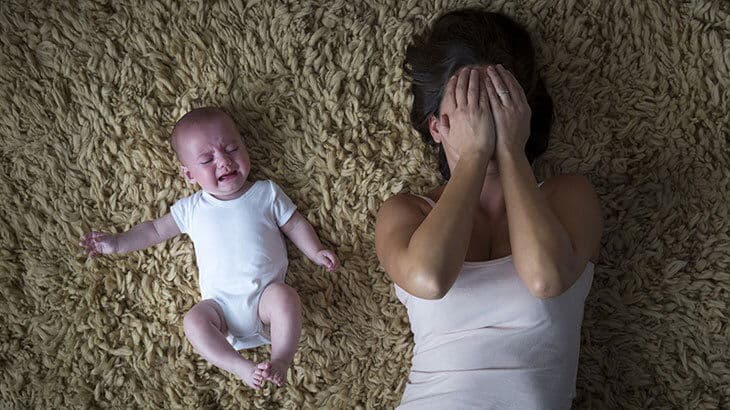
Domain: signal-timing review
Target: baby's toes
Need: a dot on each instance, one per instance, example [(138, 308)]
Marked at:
[(254, 382), (264, 369)]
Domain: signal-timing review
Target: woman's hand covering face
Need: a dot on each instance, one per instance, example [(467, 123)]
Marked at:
[(510, 109), (466, 123)]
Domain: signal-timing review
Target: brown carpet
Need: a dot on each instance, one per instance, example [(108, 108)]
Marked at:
[(89, 92)]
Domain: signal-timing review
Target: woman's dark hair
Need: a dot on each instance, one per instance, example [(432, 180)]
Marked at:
[(474, 37)]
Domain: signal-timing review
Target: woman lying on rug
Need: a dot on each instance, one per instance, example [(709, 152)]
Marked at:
[(236, 226), (492, 267)]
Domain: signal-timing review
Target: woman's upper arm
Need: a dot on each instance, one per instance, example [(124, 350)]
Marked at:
[(398, 218), (576, 205)]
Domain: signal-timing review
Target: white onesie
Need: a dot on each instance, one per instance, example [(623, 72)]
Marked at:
[(240, 251)]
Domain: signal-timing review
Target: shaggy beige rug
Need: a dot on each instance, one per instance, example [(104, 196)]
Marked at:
[(89, 92)]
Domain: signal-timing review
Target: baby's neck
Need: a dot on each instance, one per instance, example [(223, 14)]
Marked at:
[(245, 187)]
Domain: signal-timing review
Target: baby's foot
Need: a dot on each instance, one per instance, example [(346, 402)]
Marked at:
[(252, 376), (274, 371)]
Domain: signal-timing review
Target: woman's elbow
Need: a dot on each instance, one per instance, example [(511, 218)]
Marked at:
[(545, 282), (426, 285), (544, 289)]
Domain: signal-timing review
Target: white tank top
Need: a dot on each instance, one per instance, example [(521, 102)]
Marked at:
[(490, 344)]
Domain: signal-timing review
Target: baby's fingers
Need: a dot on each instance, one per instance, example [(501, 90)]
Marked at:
[(92, 248), (91, 237), (89, 252), (92, 251), (328, 264), (329, 260), (85, 243), (335, 263)]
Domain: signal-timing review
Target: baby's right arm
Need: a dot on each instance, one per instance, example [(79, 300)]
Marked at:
[(141, 236)]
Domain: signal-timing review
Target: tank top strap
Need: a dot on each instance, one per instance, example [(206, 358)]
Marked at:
[(427, 199)]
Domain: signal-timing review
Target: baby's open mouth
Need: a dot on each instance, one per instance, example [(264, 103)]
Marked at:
[(227, 176)]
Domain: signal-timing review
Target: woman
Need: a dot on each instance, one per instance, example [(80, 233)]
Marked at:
[(492, 267)]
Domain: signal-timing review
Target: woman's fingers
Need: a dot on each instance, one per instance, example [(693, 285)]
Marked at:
[(500, 87), (492, 93), (449, 93), (462, 85), (483, 95), (514, 87), (473, 94)]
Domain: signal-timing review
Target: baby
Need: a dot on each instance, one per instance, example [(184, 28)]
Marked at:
[(236, 227)]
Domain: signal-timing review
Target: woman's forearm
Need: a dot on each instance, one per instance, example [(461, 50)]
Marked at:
[(541, 247), (438, 247)]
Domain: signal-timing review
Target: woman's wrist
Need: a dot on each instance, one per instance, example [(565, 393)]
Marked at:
[(510, 151), (478, 154), (511, 160)]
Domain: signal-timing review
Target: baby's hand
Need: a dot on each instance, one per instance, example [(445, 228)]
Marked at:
[(328, 259), (98, 243)]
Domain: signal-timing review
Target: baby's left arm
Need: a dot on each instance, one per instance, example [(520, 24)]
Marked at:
[(299, 231)]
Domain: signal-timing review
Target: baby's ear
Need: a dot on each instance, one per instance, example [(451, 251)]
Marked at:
[(185, 173), (438, 127)]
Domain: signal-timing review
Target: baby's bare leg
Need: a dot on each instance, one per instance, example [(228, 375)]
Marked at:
[(281, 309), (205, 328)]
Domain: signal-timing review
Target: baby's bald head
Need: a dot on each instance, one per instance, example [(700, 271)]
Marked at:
[(193, 119)]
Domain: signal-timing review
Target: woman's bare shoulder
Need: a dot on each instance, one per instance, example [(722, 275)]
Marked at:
[(398, 218), (568, 184), (576, 204), (404, 204)]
